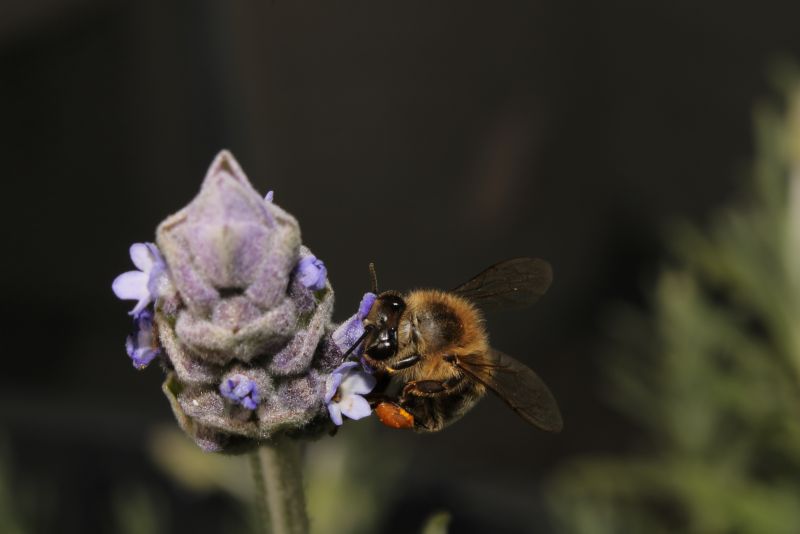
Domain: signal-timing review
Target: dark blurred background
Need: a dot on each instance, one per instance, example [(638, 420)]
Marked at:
[(431, 138)]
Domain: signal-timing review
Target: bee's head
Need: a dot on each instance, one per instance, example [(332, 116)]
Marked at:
[(381, 323)]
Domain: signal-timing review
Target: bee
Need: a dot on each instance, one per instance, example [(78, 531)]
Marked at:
[(430, 350)]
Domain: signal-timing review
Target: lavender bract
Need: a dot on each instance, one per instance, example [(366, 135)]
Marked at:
[(243, 315)]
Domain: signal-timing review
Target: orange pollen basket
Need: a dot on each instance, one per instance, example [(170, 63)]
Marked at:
[(394, 416)]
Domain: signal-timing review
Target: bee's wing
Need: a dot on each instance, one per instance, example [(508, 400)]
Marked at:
[(509, 284), (517, 385)]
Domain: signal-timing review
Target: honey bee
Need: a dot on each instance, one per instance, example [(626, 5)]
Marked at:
[(430, 351)]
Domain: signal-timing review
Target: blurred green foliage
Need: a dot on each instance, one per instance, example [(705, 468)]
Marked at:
[(136, 510), (437, 523), (711, 372), (26, 505), (348, 481), (11, 513)]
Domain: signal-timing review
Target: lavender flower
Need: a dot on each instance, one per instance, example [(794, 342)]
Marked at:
[(366, 305), (241, 390), (142, 345), (352, 329), (312, 273), (142, 285), (343, 392), (241, 320)]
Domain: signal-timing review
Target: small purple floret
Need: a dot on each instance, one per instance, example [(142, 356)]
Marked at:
[(344, 388), (142, 346), (269, 196), (241, 390), (141, 285), (312, 273), (366, 305), (352, 329)]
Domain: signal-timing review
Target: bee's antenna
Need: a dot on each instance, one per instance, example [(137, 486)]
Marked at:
[(374, 278), (367, 330)]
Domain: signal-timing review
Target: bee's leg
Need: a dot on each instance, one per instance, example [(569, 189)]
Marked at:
[(427, 416), (431, 388), (405, 363)]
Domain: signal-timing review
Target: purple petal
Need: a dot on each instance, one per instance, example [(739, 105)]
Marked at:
[(269, 196), (322, 277), (155, 278), (144, 321), (131, 285), (157, 271), (343, 368), (357, 383), (227, 387), (130, 346), (348, 333), (355, 407), (142, 256), (143, 356), (312, 273), (241, 390), (365, 366), (331, 385), (142, 346), (155, 254), (366, 305), (140, 306), (336, 414)]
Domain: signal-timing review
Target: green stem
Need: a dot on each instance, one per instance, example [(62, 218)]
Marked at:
[(280, 499)]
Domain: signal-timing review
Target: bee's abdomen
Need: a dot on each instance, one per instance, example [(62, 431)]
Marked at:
[(431, 414)]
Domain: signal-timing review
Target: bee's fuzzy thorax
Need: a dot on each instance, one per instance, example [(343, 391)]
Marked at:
[(445, 322)]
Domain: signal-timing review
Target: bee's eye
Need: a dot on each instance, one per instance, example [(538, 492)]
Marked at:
[(394, 303), (382, 350), (384, 346)]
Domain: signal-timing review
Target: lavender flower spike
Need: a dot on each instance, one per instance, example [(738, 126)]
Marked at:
[(343, 392), (142, 285), (245, 320)]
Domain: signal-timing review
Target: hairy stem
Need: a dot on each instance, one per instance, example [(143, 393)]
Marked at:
[(277, 468)]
